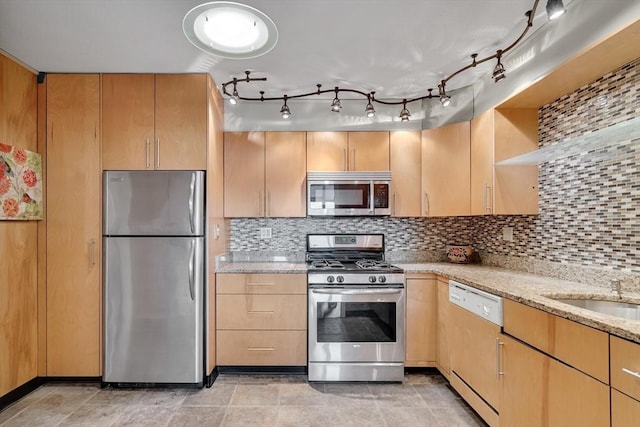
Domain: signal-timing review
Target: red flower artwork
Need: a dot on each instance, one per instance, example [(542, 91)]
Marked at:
[(5, 148), (20, 156), (29, 177), (5, 185), (10, 207)]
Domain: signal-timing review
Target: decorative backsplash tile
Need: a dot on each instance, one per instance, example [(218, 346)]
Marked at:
[(589, 202)]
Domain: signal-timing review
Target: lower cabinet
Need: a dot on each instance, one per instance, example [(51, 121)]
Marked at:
[(261, 319), (625, 382), (421, 321)]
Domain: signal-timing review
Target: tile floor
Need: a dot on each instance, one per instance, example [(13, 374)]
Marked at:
[(248, 400)]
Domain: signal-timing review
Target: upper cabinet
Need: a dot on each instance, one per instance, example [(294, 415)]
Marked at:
[(406, 173), (264, 174), (497, 135), (445, 170), (341, 151), (154, 121)]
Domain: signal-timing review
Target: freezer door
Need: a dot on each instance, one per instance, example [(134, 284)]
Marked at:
[(153, 309), (147, 203)]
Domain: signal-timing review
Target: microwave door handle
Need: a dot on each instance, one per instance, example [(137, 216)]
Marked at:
[(372, 205)]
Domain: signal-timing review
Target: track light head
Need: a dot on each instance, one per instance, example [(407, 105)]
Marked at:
[(555, 9), (498, 72), (233, 100), (335, 104), (404, 114), (445, 99), (369, 110), (286, 113)]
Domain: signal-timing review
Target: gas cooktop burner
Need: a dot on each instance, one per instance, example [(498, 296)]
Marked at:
[(325, 264), (368, 264)]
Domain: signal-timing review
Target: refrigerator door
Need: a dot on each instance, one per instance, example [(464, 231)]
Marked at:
[(145, 203), (153, 309)]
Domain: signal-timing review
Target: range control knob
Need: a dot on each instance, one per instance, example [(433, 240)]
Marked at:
[(340, 279), (372, 279), (329, 279), (382, 279)]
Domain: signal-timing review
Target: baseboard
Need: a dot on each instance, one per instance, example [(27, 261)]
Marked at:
[(21, 391), (209, 379), (264, 370)]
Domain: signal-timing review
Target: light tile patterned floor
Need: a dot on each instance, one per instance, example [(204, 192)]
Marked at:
[(248, 400)]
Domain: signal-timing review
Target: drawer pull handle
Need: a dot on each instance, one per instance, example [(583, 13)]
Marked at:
[(633, 374), (260, 349), (260, 284), (260, 312)]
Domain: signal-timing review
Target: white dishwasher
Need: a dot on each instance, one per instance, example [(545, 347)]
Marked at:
[(476, 321)]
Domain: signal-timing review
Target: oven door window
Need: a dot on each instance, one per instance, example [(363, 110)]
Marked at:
[(356, 322), (340, 196)]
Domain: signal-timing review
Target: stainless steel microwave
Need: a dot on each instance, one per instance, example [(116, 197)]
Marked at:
[(348, 193)]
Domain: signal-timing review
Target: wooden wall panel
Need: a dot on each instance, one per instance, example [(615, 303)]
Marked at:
[(18, 239)]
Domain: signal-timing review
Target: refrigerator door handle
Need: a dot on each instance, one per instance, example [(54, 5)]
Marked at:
[(192, 261), (192, 194)]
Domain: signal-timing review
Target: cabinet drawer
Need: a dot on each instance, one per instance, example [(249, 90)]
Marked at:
[(261, 311), (578, 345), (261, 348), (625, 411), (240, 283), (625, 355)]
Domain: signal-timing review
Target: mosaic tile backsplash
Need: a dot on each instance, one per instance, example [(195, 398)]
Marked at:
[(589, 202)]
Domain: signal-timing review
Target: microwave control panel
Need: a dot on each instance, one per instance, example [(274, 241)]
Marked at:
[(380, 196)]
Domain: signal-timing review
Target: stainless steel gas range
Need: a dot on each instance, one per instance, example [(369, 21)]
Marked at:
[(356, 309)]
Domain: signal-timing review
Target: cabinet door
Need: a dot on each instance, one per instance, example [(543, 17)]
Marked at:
[(421, 322), (442, 326), (128, 102), (181, 121), (286, 172), (369, 151), (244, 174), (625, 366), (73, 225), (522, 384), (327, 151), (516, 187), (576, 399), (406, 173), (482, 164), (446, 170), (625, 411)]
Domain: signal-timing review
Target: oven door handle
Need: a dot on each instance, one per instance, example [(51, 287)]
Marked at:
[(358, 292)]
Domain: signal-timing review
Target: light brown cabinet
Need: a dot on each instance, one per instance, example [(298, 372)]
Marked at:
[(446, 170), (154, 121), (264, 174), (406, 172), (261, 320), (625, 382), (420, 321), (442, 326), (341, 151), (498, 135), (558, 375), (73, 225)]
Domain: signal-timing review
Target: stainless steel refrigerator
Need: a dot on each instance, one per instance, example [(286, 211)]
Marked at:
[(154, 247)]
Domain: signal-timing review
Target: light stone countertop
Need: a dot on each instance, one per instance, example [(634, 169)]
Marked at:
[(530, 289)]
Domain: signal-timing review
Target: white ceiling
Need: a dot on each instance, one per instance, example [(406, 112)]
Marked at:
[(398, 48)]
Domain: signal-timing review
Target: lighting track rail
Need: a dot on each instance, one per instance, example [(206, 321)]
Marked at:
[(498, 74)]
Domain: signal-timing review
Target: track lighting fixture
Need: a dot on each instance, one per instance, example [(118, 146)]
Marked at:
[(498, 71), (404, 114), (368, 110), (445, 99), (335, 104), (286, 113), (554, 9)]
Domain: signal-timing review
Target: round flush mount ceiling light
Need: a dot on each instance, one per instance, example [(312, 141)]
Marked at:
[(230, 30)]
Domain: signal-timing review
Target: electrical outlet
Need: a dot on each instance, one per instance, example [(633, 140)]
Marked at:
[(265, 233), (507, 234)]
